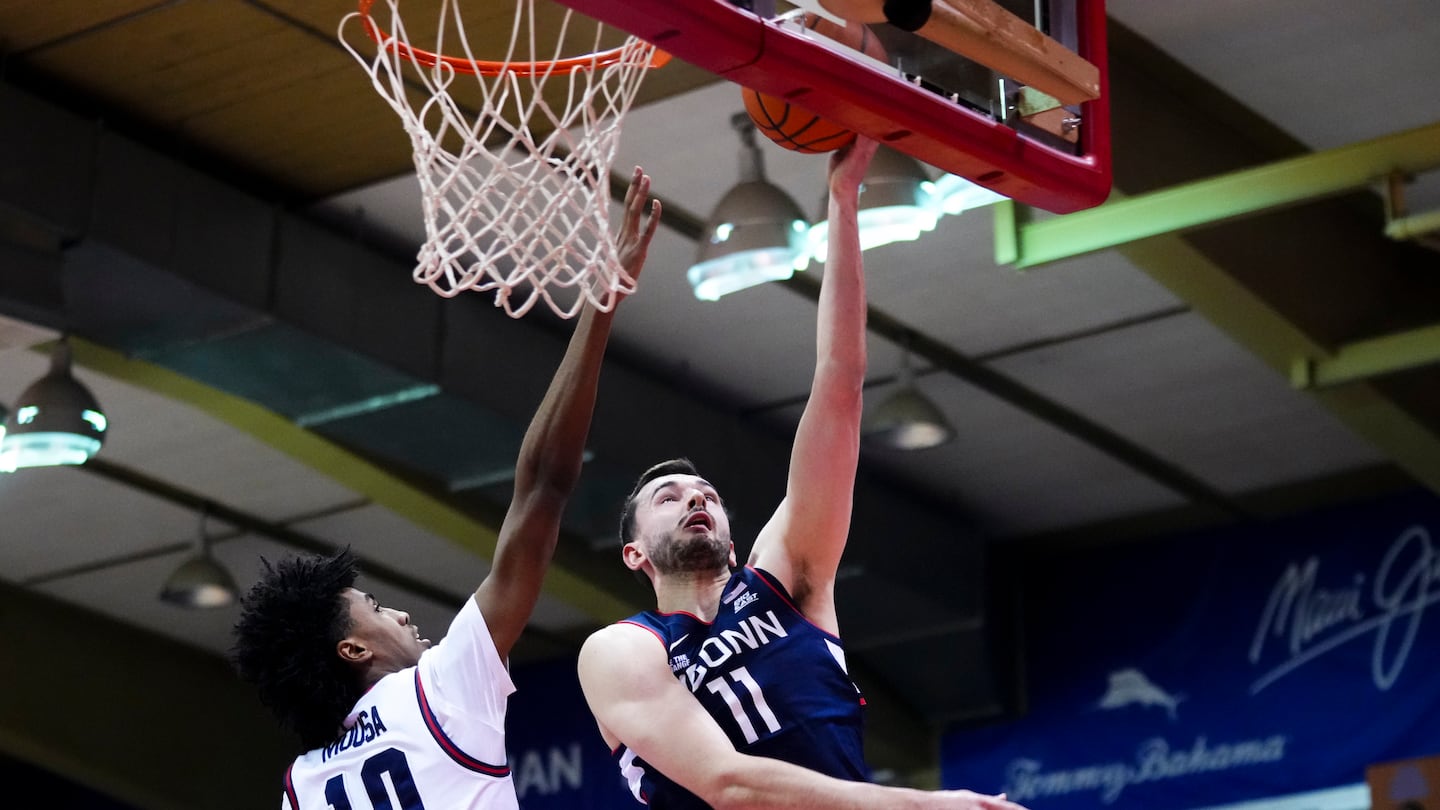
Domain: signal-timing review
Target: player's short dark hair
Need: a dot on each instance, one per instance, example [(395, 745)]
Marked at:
[(290, 622), (675, 466)]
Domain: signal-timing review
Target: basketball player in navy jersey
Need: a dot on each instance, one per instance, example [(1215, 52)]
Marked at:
[(734, 691), (379, 708)]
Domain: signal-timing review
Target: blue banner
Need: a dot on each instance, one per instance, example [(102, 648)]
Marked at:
[(557, 757), (1223, 666)]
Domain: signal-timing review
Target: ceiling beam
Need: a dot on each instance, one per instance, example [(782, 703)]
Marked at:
[(1290, 284), (342, 466), (1216, 199), (1369, 358), (1410, 441)]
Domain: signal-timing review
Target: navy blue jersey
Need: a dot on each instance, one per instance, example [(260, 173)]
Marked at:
[(775, 683)]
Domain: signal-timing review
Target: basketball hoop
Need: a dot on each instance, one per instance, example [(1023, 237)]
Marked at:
[(515, 192)]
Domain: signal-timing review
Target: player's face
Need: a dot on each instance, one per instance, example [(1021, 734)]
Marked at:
[(394, 643), (682, 525)]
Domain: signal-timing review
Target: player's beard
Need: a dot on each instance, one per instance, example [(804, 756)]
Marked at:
[(690, 552)]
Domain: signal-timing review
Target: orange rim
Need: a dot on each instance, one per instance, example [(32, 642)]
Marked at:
[(482, 67)]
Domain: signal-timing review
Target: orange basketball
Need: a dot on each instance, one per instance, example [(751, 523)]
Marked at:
[(795, 127)]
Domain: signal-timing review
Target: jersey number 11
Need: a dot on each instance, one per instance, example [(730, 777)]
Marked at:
[(741, 676)]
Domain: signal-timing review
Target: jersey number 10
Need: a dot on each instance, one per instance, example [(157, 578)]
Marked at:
[(389, 762)]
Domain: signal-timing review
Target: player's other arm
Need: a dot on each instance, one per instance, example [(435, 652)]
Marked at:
[(552, 452), (803, 542), (638, 702)]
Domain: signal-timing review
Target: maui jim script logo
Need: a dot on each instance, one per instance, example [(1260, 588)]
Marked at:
[(1310, 621)]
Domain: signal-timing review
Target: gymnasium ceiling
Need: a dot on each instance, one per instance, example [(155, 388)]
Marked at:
[(208, 195)]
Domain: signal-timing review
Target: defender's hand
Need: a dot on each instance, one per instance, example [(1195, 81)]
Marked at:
[(638, 227)]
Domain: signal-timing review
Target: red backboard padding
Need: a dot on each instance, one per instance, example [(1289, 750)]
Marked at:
[(738, 45)]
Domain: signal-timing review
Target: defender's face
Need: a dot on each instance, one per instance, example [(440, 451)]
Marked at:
[(394, 643), (681, 525)]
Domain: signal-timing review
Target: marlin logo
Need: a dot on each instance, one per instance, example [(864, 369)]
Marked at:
[(739, 588), (1130, 687)]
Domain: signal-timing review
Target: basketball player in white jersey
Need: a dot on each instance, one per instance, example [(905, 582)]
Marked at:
[(390, 720), (773, 722)]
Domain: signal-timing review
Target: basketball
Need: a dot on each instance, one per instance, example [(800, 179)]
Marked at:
[(795, 127)]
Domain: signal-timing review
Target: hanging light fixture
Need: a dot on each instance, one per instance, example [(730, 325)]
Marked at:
[(958, 195), (200, 582), (907, 420), (898, 202), (55, 421), (756, 233)]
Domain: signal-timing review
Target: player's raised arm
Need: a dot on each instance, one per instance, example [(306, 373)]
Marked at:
[(803, 542), (640, 704), (552, 451)]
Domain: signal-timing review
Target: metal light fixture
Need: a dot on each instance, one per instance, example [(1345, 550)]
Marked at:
[(55, 421), (756, 233), (200, 582), (907, 420), (898, 202)]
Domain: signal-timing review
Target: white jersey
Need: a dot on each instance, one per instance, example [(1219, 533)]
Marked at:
[(431, 736)]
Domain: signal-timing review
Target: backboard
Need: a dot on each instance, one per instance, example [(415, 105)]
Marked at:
[(953, 114)]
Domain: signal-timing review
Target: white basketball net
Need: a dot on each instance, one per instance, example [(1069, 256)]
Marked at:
[(527, 216)]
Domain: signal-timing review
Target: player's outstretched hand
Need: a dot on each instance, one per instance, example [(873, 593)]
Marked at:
[(848, 164), (638, 227)]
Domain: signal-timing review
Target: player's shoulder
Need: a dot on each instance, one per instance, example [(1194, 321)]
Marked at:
[(619, 647), (625, 632)]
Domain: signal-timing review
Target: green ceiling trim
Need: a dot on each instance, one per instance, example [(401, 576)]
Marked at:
[(1007, 232), (1413, 226), (1369, 358), (1268, 334), (345, 468), (1409, 442), (1215, 199), (1222, 300)]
